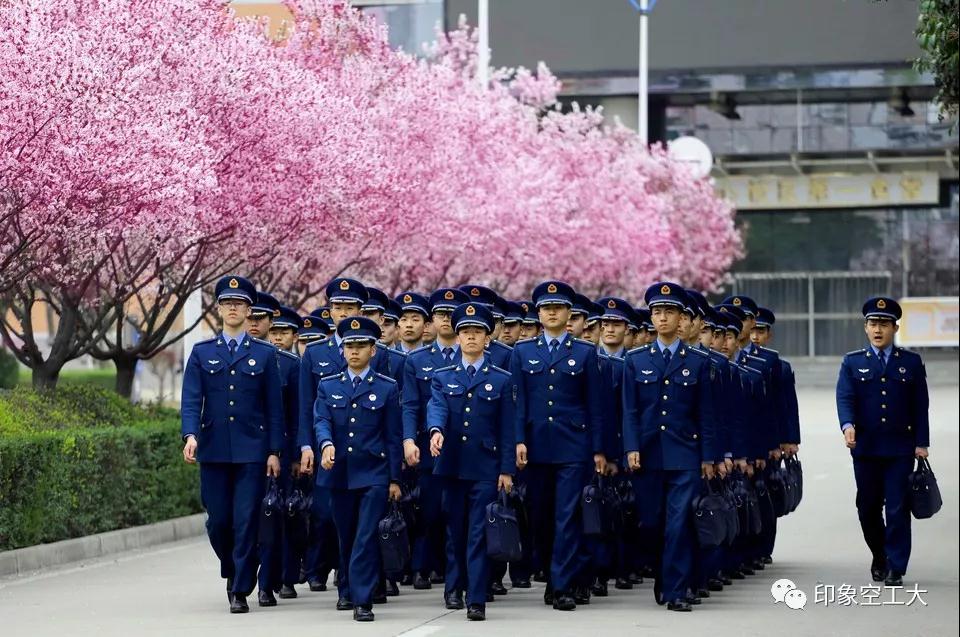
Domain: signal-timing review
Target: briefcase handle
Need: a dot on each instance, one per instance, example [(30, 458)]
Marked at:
[(923, 466)]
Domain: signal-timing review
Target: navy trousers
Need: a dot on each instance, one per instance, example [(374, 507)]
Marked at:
[(427, 553), (280, 559), (322, 554), (554, 495), (231, 495), (882, 488), (356, 513), (465, 508), (664, 500)]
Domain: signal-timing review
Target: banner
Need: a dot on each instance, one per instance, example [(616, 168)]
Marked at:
[(929, 321)]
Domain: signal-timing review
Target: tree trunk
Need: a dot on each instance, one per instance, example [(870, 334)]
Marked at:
[(45, 377), (126, 368)]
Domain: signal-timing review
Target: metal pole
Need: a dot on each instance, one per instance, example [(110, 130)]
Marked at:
[(642, 74), (811, 323), (905, 281), (799, 121), (483, 47)]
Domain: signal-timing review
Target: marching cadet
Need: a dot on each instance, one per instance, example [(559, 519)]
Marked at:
[(414, 315), (284, 331), (761, 336), (323, 313), (578, 315), (262, 313), (427, 559), (357, 425), (232, 424), (613, 326), (429, 333), (882, 404), (470, 419), (311, 330), (530, 326), (498, 352), (512, 316), (279, 562), (669, 437), (559, 438), (389, 361), (391, 321), (591, 326)]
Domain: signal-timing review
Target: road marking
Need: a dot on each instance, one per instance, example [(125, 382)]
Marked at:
[(420, 631)]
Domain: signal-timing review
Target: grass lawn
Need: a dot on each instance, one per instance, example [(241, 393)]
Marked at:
[(104, 378)]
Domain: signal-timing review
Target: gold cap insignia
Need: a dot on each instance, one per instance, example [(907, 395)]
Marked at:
[(355, 324), (724, 310), (551, 289), (471, 310), (448, 295), (234, 284), (307, 323), (881, 304), (665, 289), (344, 285), (737, 301), (612, 304), (325, 314), (525, 307), (407, 298), (474, 292), (276, 313)]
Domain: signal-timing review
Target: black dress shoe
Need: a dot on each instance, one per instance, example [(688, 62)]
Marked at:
[(344, 604), (692, 600), (288, 592), (564, 601), (230, 589), (476, 613), (726, 581), (540, 576), (647, 571), (406, 580), (878, 574), (680, 605), (737, 574), (239, 604), (421, 583), (600, 589), (436, 578), (767, 559), (490, 597), (635, 578), (714, 584), (379, 598), (362, 614), (703, 593), (746, 570), (317, 585), (758, 564), (893, 579), (391, 589), (302, 579), (521, 583), (497, 588), (266, 598), (623, 584), (581, 595), (548, 596), (453, 601)]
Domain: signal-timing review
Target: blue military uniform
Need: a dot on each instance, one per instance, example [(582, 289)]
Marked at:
[(560, 421), (668, 419), (883, 395), (231, 403), (419, 368), (498, 352), (359, 415), (472, 406)]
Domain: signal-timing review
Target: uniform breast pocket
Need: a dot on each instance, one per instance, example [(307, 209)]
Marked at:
[(646, 378), (572, 367), (532, 366), (863, 375), (374, 401), (488, 395), (337, 401), (251, 370), (685, 378)]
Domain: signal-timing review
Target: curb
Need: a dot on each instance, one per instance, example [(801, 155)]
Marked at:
[(35, 558)]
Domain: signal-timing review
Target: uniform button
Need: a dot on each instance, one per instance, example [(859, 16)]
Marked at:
[(883, 420), (549, 403), (665, 397), (883, 392), (231, 403), (464, 438), (694, 436), (231, 387), (354, 405), (663, 427), (211, 371), (231, 418), (550, 418), (352, 419), (550, 387), (469, 395), (350, 449), (663, 413), (233, 372), (909, 427), (883, 406), (467, 409), (553, 371), (883, 380), (466, 424), (666, 382), (383, 455), (350, 434)]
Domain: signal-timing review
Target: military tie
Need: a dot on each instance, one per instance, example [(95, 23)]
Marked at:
[(883, 361), (232, 346), (447, 354), (554, 344), (471, 370), (356, 381), (666, 355)]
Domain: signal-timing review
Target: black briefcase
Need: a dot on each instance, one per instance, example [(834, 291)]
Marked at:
[(591, 507), (502, 531), (777, 488), (795, 471), (710, 516), (731, 511), (296, 516), (394, 542), (271, 514), (925, 499)]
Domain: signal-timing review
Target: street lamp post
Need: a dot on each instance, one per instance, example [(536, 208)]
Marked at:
[(643, 7), (483, 52)]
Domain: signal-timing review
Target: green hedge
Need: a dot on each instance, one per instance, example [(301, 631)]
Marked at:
[(83, 461), (104, 377)]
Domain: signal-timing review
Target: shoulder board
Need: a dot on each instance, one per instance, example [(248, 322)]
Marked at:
[(698, 351), (330, 376), (396, 352), (288, 354), (382, 377), (767, 349), (584, 341), (314, 343), (499, 369), (260, 341), (422, 348), (856, 351), (500, 345), (446, 368), (527, 340), (752, 370), (637, 350), (212, 339), (755, 358)]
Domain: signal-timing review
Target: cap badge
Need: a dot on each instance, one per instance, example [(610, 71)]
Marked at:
[(525, 307), (276, 313), (470, 310), (344, 285), (448, 295), (474, 292), (325, 314), (407, 298), (611, 304), (665, 289), (552, 288), (355, 324), (307, 323), (881, 304), (737, 301), (234, 284)]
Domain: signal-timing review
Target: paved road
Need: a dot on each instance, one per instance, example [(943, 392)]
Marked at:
[(175, 590)]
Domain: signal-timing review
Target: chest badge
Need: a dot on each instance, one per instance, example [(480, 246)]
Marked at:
[(685, 372), (863, 371), (452, 386), (426, 369), (488, 387), (251, 362), (322, 363), (903, 370), (571, 362), (646, 372), (532, 362), (336, 396), (212, 362), (372, 397)]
